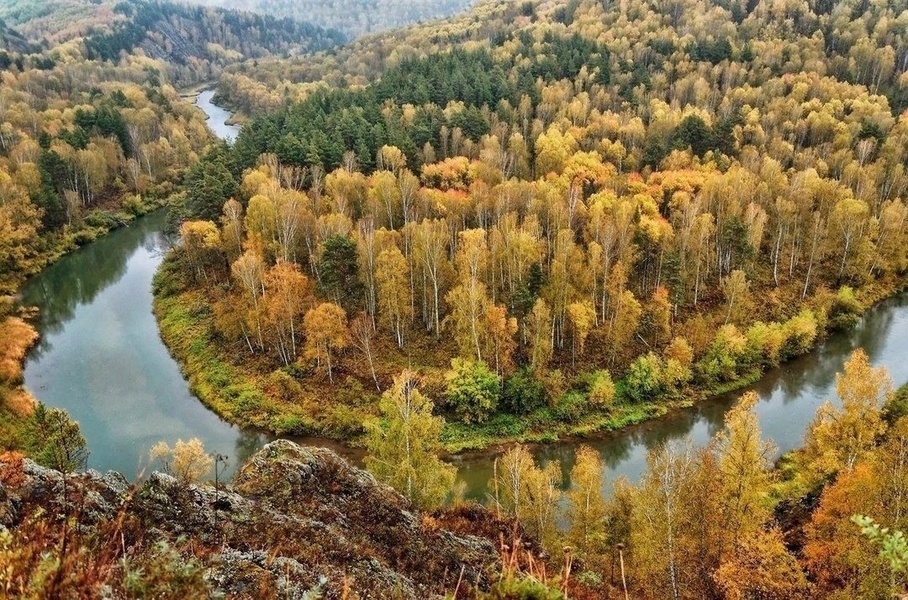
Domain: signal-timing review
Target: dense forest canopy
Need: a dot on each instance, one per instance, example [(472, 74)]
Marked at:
[(532, 219), (195, 41), (354, 18), (93, 120), (662, 196)]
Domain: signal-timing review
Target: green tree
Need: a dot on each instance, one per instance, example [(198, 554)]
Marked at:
[(643, 380), (339, 272), (522, 392), (893, 544), (209, 184), (403, 445), (58, 442), (472, 389), (602, 389)]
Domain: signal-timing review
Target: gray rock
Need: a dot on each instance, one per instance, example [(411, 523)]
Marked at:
[(296, 522)]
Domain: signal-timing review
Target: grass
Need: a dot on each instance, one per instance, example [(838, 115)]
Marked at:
[(240, 393), (542, 426), (16, 404)]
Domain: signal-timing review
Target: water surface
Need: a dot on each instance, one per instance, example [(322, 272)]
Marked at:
[(100, 356), (789, 397), (217, 117)]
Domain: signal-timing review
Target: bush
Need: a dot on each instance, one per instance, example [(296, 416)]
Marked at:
[(101, 218), (570, 407), (602, 389), (722, 358), (896, 406), (643, 380), (555, 384), (845, 311), (133, 205), (522, 393), (472, 390), (765, 342), (801, 331), (283, 386)]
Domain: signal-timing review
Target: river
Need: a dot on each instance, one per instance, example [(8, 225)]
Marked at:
[(217, 117), (100, 357)]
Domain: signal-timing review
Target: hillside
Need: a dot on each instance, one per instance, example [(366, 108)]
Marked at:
[(354, 18), (13, 41), (531, 220), (203, 39), (599, 212)]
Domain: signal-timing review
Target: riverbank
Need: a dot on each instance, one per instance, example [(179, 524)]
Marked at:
[(243, 390), (16, 404), (18, 334), (95, 224)]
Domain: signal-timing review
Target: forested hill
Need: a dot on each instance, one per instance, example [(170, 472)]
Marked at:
[(656, 52), (354, 18), (13, 41), (201, 38), (179, 33)]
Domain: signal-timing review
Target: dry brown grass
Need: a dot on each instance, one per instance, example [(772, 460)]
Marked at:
[(16, 337), (20, 402)]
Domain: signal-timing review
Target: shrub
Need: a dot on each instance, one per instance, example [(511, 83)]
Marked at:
[(801, 331), (472, 390), (283, 386), (133, 205), (570, 407), (845, 311), (765, 342), (896, 406), (555, 384), (722, 358), (101, 218), (522, 392), (602, 389), (643, 380)]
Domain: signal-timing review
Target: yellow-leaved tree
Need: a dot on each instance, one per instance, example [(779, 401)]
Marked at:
[(403, 445)]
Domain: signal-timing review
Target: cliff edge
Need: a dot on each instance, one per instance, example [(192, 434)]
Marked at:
[(296, 522)]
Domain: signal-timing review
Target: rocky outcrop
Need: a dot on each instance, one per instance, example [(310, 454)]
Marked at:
[(294, 520)]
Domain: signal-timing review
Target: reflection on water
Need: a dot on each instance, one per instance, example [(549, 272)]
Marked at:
[(101, 359), (789, 398), (64, 286)]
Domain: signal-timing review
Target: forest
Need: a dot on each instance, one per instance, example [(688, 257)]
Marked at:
[(542, 219), (191, 43), (531, 220), (559, 239), (354, 19)]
